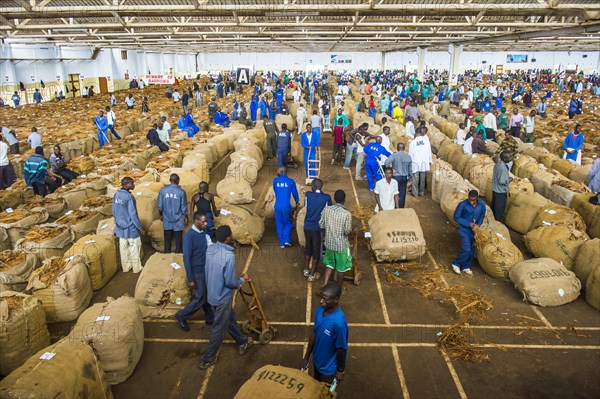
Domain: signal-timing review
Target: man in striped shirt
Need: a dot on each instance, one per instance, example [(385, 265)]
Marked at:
[(35, 171), (336, 220)]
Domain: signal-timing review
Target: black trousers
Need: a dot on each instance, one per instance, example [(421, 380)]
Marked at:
[(14, 148), (402, 182), (40, 189), (67, 174), (498, 205), (515, 131), (169, 234)]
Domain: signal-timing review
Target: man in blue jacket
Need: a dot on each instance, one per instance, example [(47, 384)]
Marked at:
[(372, 152), (469, 215), (172, 206), (314, 201), (195, 245), (127, 226), (279, 94), (284, 189), (284, 145), (102, 125), (35, 172), (221, 282)]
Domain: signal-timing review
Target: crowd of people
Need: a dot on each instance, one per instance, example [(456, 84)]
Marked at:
[(391, 173)]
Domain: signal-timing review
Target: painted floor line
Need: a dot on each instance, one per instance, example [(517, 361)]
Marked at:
[(461, 390), (388, 344), (403, 325), (400, 372)]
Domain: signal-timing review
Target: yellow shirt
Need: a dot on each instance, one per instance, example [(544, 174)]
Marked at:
[(399, 114)]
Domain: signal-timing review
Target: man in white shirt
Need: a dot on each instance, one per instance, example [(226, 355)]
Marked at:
[(420, 153), (111, 119), (385, 143), (129, 101), (489, 122), (84, 92), (296, 95), (11, 139), (166, 125), (176, 96), (386, 191), (468, 146), (460, 135), (141, 84), (315, 120), (410, 127), (163, 134), (300, 115), (464, 105), (34, 139), (7, 173)]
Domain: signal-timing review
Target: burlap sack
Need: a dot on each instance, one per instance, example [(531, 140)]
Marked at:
[(280, 119), (162, 288), (563, 166), (548, 159), (15, 269), (81, 222), (37, 241), (592, 288), (72, 372), (234, 191), (269, 201), (5, 244), (209, 152), (588, 257), (558, 215), (147, 205), (221, 144), (101, 205), (250, 151), (525, 166), (479, 171), (536, 152), (246, 140), (188, 181), (450, 200), (441, 171), (247, 227), (523, 210), (63, 287), (558, 194), (106, 227), (396, 235), (246, 170), (196, 164), (462, 164), (116, 332), (448, 152), (17, 222), (560, 243), (541, 181), (300, 226), (23, 329), (99, 254), (56, 207), (282, 383), (589, 212), (545, 282), (580, 173), (259, 132), (495, 252)]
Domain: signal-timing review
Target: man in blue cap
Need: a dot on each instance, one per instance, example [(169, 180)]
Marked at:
[(284, 189)]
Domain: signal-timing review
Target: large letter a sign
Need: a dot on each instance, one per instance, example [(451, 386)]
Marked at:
[(243, 76)]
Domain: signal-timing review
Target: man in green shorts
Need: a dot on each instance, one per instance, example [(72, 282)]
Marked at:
[(336, 220)]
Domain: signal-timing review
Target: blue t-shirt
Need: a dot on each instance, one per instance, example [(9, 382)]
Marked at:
[(331, 334), (315, 203)]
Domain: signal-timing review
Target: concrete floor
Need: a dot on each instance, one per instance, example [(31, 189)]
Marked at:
[(393, 329)]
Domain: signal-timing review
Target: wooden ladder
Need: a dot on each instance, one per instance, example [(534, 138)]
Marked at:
[(314, 167)]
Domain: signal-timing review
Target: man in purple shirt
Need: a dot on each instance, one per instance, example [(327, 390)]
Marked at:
[(515, 123)]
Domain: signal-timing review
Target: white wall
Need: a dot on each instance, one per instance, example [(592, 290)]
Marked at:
[(19, 62)]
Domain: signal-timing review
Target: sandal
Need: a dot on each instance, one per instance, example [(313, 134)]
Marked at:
[(314, 277), (306, 273)]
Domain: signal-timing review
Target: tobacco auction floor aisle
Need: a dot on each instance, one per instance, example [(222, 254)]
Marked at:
[(531, 351)]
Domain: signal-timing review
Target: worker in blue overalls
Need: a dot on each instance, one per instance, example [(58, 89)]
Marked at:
[(310, 141), (172, 206), (469, 215), (284, 187), (372, 152)]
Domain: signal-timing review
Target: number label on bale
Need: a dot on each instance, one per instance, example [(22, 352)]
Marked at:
[(289, 383)]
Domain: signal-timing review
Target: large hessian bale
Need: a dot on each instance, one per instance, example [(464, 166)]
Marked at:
[(560, 243)]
